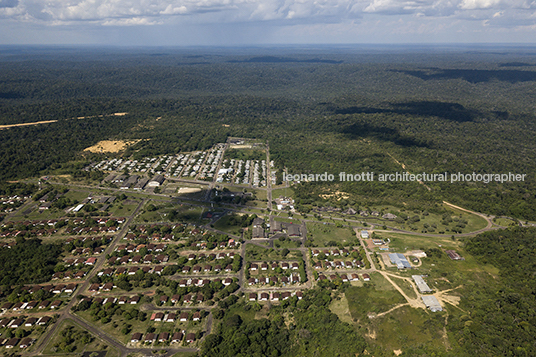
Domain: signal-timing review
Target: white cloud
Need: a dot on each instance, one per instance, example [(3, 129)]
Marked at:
[(492, 13), (478, 4)]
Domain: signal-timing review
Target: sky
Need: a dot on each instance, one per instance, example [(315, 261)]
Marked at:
[(264, 22)]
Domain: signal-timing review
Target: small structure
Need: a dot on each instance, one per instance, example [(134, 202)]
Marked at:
[(453, 255), (364, 234), (432, 303)]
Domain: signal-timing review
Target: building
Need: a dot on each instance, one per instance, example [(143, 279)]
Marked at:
[(421, 284), (364, 234), (293, 231), (156, 181), (432, 303), (399, 260), (453, 255), (258, 233)]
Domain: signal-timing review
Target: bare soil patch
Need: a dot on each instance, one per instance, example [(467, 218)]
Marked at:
[(112, 146)]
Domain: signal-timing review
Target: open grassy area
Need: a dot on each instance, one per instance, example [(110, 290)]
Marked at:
[(401, 242), (254, 252), (223, 224), (339, 306), (82, 341), (285, 192), (407, 327), (324, 233), (375, 297), (505, 222)]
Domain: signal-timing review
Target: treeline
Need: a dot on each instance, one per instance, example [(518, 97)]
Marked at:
[(501, 318)]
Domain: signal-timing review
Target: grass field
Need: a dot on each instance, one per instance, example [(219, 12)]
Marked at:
[(505, 222), (254, 252), (324, 233), (376, 297), (285, 192), (78, 346)]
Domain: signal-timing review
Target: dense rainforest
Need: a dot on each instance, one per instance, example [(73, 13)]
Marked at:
[(340, 110)]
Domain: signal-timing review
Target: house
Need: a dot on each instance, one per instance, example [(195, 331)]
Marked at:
[(275, 296), (183, 316), (91, 261), (187, 298), (164, 336), (44, 320), (285, 295), (26, 342), (177, 337), (134, 300), (122, 300), (108, 287), (196, 316), (163, 299), (171, 317), (366, 277), (12, 342), (136, 337), (55, 304), (227, 281), (150, 338), (365, 234), (159, 316), (254, 267), (31, 305), (264, 297), (190, 337), (16, 323), (252, 296), (30, 322), (299, 294)]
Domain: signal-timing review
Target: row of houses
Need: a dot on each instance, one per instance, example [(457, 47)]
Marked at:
[(14, 342), (275, 296), (132, 248), (207, 268), (176, 316), (293, 279), (274, 265), (349, 264), (211, 256), (183, 283), (332, 252), (19, 306), (158, 269), (55, 289), (138, 259), (344, 277), (22, 322), (150, 338)]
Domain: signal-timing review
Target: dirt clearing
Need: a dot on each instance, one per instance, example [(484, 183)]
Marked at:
[(112, 146)]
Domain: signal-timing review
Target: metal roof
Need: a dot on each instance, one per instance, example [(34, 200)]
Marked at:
[(399, 260), (432, 303)]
